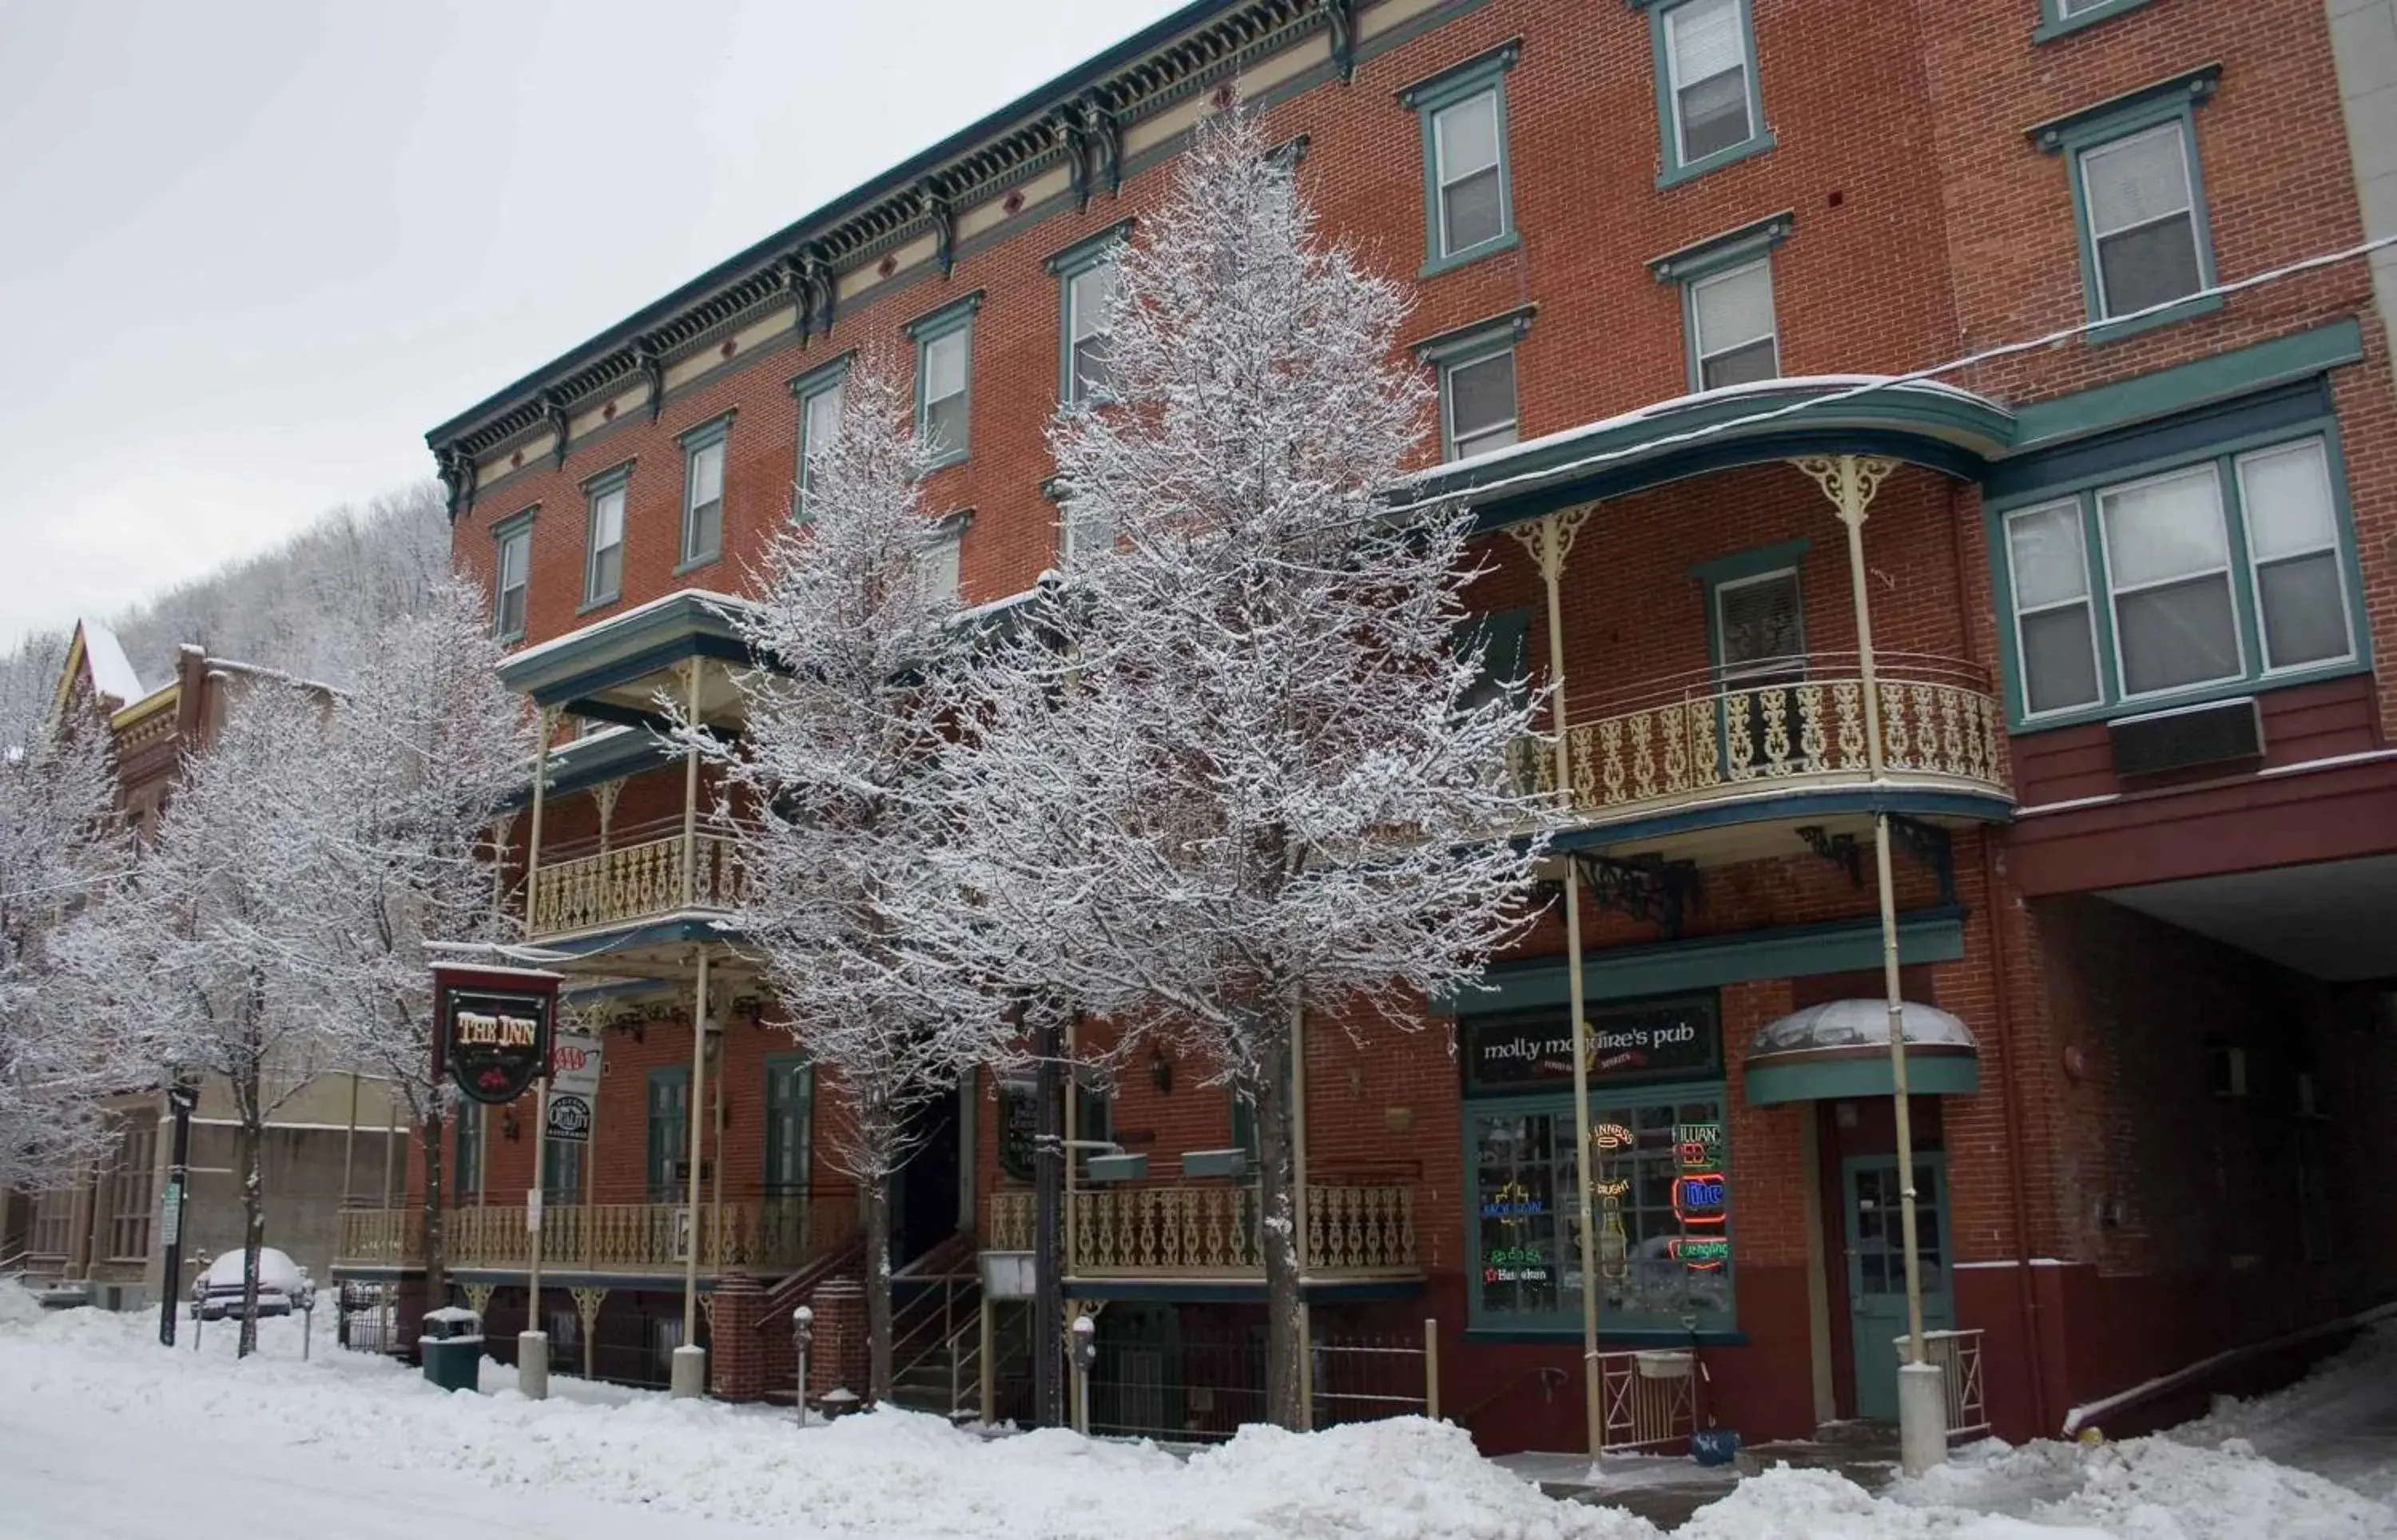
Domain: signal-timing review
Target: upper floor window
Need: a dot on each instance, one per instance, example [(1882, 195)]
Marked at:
[(603, 564), (1468, 204), (702, 493), (1476, 403), (2057, 18), (820, 392), (2227, 572), (511, 576), (2139, 202), (936, 564), (1089, 302), (1733, 336), (1707, 98), (943, 361)]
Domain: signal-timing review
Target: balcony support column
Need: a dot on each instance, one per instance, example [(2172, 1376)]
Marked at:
[(545, 726), (1849, 482), (690, 826), (1550, 541), (690, 1381)]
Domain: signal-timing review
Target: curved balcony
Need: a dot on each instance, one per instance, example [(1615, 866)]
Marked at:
[(1182, 1230), (1697, 739), (631, 883)]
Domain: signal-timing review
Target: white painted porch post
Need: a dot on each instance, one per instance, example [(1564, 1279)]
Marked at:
[(546, 723), (1849, 482), (1549, 542)]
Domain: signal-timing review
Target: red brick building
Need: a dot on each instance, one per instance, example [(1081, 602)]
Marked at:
[(2128, 529)]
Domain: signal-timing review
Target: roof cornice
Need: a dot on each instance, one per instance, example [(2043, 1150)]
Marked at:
[(1077, 118)]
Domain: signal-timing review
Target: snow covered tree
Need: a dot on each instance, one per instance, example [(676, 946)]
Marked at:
[(201, 958), (420, 755), (828, 791), (1257, 776), (58, 847)]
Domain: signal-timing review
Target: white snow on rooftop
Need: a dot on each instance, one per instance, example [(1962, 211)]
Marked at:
[(112, 672)]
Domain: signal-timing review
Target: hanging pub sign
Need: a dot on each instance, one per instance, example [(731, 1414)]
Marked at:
[(1656, 1039), (492, 1028)]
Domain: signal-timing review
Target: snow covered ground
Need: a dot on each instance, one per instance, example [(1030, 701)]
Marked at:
[(105, 1436)]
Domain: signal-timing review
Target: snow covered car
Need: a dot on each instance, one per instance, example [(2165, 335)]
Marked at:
[(283, 1287)]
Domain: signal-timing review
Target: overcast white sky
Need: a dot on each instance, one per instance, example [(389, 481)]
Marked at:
[(254, 248)]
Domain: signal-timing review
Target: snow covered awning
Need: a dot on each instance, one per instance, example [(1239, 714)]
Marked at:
[(1840, 1049)]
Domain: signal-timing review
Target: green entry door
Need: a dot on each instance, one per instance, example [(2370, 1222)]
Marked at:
[(1877, 1269)]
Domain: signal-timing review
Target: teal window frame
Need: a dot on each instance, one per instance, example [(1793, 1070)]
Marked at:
[(1669, 123), (618, 482), (788, 1096), (1428, 99), (1565, 1321), (951, 319), (659, 1159), (1095, 251), (2054, 23), (1746, 566), (513, 530), (1468, 345), (561, 1171), (1712, 258), (714, 434), (2254, 675), (805, 389), (2076, 134)]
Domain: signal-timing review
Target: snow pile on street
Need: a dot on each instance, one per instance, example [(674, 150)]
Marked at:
[(887, 1473), (349, 1423)]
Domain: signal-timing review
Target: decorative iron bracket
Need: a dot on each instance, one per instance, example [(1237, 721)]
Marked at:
[(1929, 844), (1840, 850), (1643, 887)]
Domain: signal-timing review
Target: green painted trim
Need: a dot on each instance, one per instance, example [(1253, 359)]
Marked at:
[(1428, 98), (1090, 250), (1479, 1320), (2072, 136), (1679, 967), (2083, 492), (651, 1151), (801, 1070), (716, 433), (1729, 250), (2166, 391), (713, 430), (617, 481), (2053, 24), (1749, 563), (805, 388), (2117, 116), (503, 531), (1760, 138), (560, 669), (1949, 430), (1461, 357), (949, 320), (1068, 265), (1485, 336), (1605, 1338), (614, 476), (1940, 1075)]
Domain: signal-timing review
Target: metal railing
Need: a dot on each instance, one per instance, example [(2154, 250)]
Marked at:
[(763, 1234), (1192, 1230), (634, 882), (1958, 1354), (1649, 1399), (936, 1343), (1701, 737)]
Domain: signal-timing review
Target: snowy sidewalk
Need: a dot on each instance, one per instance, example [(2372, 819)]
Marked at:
[(104, 1434)]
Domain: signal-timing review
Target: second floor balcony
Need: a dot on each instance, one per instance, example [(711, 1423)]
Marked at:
[(575, 891), (1189, 1230), (1717, 738)]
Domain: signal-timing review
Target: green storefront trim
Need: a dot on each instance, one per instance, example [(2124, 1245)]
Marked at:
[(1949, 1074), (1783, 951)]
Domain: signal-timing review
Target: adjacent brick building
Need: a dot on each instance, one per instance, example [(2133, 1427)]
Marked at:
[(2128, 528)]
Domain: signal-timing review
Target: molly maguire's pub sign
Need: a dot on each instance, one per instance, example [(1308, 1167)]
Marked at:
[(1679, 1039), (495, 1032)]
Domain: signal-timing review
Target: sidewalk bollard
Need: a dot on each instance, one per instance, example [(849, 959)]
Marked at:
[(1086, 1353), (803, 1326)]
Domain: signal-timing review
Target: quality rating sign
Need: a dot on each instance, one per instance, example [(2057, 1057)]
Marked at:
[(573, 1088)]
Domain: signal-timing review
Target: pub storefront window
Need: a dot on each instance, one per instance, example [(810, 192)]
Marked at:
[(1657, 1135)]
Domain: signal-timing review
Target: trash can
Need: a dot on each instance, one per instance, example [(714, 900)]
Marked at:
[(452, 1349)]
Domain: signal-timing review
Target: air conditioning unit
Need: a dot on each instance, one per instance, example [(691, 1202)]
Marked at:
[(2220, 732)]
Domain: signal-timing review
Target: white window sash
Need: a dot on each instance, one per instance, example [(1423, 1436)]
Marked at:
[(1771, 333), (2188, 209), (1675, 83), (2256, 565), (2086, 599), (1446, 181), (1459, 438), (1731, 674), (2116, 592)]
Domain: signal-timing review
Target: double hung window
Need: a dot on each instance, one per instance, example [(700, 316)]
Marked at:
[(511, 577), (603, 566), (1733, 336), (702, 495), (1476, 399), (1708, 105)]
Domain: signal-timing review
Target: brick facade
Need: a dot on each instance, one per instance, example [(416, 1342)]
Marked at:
[(2093, 1183)]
